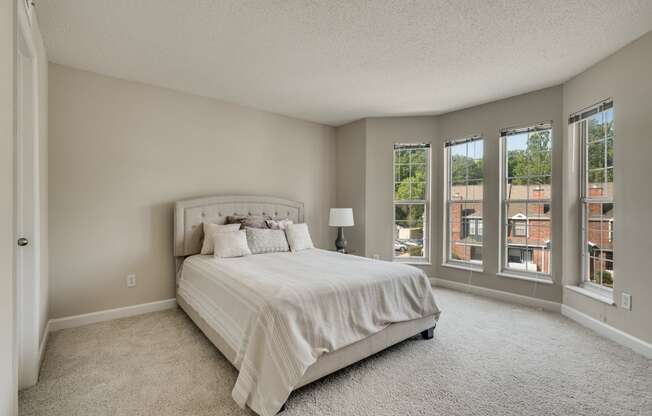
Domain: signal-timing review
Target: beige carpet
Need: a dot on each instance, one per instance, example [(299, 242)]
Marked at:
[(487, 358)]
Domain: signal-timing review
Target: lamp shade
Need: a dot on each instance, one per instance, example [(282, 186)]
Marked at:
[(341, 217)]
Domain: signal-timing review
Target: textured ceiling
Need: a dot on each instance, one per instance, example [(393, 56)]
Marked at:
[(334, 61)]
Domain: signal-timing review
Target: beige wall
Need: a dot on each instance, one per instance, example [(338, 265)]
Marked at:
[(487, 120), (350, 187), (625, 77), (121, 153)]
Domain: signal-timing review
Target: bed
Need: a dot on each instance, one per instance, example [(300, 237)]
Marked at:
[(287, 319)]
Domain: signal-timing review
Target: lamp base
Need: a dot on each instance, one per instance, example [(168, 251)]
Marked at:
[(340, 242)]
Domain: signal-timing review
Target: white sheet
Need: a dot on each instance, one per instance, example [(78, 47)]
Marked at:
[(281, 311)]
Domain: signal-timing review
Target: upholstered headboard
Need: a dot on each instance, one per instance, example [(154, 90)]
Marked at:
[(190, 214)]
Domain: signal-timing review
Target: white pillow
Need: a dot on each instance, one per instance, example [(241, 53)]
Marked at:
[(261, 240), (210, 229), (299, 237), (231, 244)]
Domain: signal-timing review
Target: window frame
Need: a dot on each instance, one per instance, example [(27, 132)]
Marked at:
[(476, 265), (506, 222), (575, 121), (425, 259)]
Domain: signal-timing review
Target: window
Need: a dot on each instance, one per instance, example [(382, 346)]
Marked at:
[(526, 233), (521, 256), (411, 201), (595, 128), (464, 195)]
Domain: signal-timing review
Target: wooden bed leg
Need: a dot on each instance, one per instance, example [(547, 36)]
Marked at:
[(282, 408), (428, 333)]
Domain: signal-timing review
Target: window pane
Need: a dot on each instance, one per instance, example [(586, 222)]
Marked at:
[(609, 146), (464, 228), (458, 251), (596, 128), (417, 212), (410, 231), (418, 172), (539, 191), (539, 233), (402, 191), (402, 156), (609, 123), (538, 211), (402, 172), (475, 190), (595, 156), (475, 170), (401, 212), (418, 156), (418, 191), (540, 260), (516, 189), (596, 179)]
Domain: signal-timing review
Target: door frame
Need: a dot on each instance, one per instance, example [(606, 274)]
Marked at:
[(28, 285)]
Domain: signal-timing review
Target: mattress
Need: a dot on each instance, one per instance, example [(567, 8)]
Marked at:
[(280, 311)]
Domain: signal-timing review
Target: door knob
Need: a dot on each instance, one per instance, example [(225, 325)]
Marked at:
[(23, 242)]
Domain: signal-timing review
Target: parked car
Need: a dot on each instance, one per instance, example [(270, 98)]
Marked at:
[(399, 247)]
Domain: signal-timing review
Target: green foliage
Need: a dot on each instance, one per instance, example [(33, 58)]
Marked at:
[(415, 251), (535, 160), (600, 152), (604, 277), (464, 168), (410, 170)]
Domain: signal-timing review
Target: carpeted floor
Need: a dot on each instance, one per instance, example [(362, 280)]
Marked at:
[(487, 358)]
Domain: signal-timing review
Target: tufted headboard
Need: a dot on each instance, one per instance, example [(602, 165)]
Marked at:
[(190, 214)]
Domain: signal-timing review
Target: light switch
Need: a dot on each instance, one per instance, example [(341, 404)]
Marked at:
[(626, 301)]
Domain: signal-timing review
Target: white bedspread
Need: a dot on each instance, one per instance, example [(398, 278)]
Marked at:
[(281, 311)]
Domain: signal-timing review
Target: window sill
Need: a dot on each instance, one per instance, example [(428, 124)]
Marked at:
[(593, 294), (468, 268), (545, 281), (412, 262)]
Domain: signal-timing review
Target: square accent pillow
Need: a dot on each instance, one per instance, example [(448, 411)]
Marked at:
[(231, 244), (278, 224), (299, 237), (266, 241), (210, 229), (253, 221)]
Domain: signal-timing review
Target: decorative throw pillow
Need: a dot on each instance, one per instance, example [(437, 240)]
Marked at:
[(253, 221), (231, 244), (210, 229), (266, 241), (299, 237), (278, 224)]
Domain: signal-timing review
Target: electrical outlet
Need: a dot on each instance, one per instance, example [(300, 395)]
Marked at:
[(131, 280), (626, 301)]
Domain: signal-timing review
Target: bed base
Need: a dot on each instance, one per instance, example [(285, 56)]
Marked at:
[(336, 360), (428, 333)]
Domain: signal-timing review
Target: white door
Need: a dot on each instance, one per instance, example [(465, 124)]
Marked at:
[(27, 221)]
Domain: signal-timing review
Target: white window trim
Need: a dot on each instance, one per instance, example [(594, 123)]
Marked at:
[(505, 271), (586, 287), (471, 265), (425, 260)]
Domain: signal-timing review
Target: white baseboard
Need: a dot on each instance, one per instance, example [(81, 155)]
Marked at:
[(110, 314), (498, 294), (608, 331)]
